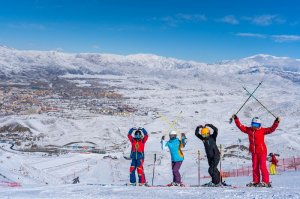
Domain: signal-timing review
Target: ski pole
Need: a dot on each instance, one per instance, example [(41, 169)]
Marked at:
[(251, 95), (221, 164), (153, 168), (199, 176), (178, 116), (230, 120)]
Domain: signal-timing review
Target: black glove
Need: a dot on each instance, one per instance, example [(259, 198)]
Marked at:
[(277, 119), (183, 135), (234, 116), (163, 137)]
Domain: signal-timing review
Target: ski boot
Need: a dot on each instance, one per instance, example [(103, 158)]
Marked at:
[(252, 184), (131, 184), (143, 185), (263, 184), (171, 184), (209, 184), (225, 184), (176, 184)]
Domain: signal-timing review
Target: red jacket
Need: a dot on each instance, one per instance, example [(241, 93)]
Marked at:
[(256, 137), (274, 160), (137, 147)]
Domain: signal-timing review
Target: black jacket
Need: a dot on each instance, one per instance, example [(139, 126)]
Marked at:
[(210, 142)]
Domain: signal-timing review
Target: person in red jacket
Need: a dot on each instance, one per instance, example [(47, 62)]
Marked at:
[(258, 149), (274, 163), (137, 154)]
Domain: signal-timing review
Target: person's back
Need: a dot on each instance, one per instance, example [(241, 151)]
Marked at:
[(274, 163), (177, 157), (175, 150)]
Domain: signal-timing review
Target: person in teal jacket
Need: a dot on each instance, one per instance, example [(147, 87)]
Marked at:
[(175, 145)]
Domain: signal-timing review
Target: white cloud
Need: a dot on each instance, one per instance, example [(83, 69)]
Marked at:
[(285, 38), (230, 19), (265, 20), (181, 18), (276, 38), (191, 17), (255, 35), (170, 21)]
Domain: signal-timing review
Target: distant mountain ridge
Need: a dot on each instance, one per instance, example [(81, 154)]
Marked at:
[(47, 63)]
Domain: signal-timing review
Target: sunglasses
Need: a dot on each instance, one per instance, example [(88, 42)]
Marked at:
[(254, 124)]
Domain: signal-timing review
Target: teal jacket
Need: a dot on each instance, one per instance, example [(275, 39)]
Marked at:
[(175, 146)]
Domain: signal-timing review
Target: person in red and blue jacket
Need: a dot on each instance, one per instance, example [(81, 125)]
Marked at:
[(258, 148), (137, 154)]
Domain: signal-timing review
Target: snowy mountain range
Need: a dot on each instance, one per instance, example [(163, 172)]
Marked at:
[(17, 62)]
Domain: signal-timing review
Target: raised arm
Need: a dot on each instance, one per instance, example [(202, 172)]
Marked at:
[(273, 127), (197, 134), (145, 135), (239, 124), (215, 129), (183, 140), (163, 143), (129, 134)]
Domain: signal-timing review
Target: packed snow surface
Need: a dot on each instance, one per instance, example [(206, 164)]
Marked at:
[(284, 186)]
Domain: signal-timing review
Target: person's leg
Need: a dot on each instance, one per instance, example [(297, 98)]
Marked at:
[(173, 164), (210, 168), (215, 171), (262, 158), (176, 173), (140, 171), (272, 172), (255, 167), (132, 171)]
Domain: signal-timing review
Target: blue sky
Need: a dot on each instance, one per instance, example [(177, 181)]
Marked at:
[(200, 30)]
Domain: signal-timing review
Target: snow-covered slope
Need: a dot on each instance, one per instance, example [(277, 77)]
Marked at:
[(285, 189), (205, 93)]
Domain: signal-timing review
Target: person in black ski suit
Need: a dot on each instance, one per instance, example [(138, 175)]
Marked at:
[(212, 151)]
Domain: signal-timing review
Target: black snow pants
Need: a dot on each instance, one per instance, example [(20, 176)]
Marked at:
[(213, 169)]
